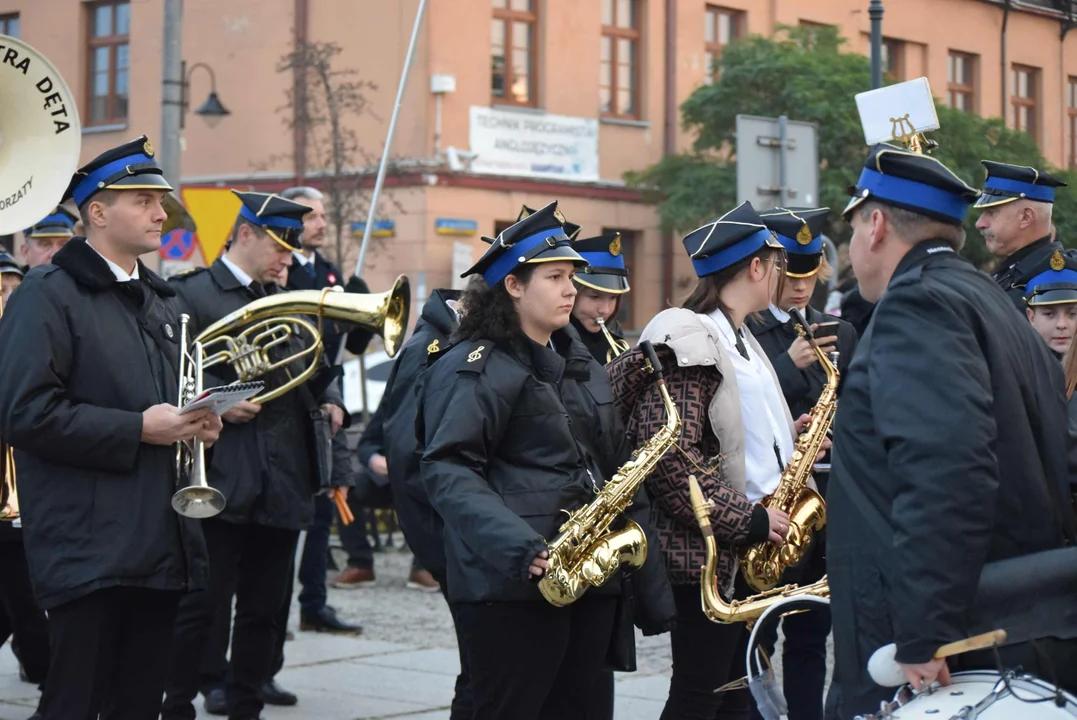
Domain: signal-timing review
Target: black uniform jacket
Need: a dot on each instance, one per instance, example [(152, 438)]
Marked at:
[(1013, 272), (264, 467), (800, 387), (80, 360), (950, 451), (391, 433)]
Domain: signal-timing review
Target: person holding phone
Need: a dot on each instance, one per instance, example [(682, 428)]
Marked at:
[(802, 379)]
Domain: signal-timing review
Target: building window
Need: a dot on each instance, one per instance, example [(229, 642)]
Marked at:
[(1024, 85), (1071, 119), (893, 58), (722, 27), (629, 242), (512, 52), (9, 25), (961, 76), (110, 27), (619, 81)]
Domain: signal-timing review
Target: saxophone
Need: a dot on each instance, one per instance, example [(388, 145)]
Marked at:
[(764, 563), (750, 609), (585, 553)]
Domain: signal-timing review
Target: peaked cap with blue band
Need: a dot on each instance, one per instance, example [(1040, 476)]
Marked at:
[(572, 230), (539, 237), (127, 167), (800, 231), (8, 265), (281, 219), (914, 182), (59, 223), (605, 269), (1006, 183), (728, 240), (1056, 284)]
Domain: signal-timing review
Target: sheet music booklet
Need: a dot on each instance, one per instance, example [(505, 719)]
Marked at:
[(225, 397)]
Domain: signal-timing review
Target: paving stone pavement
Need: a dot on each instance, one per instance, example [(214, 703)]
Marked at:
[(402, 667)]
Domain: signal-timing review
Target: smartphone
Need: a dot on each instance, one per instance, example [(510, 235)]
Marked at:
[(827, 329)]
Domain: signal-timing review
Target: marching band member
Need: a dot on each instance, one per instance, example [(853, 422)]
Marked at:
[(732, 411), (264, 465), (45, 238), (951, 440), (499, 464), (88, 360), (1017, 204), (11, 275), (1051, 297), (601, 285), (802, 380)]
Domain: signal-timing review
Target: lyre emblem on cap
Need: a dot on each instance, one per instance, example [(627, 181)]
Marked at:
[(147, 148), (1057, 263), (432, 347), (804, 235), (615, 246), (476, 354)]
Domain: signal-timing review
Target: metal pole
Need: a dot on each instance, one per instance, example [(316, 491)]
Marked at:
[(783, 160), (389, 138), (172, 93), (875, 12)]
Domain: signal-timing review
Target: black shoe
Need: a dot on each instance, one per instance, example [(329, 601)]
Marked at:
[(216, 702), (326, 620), (274, 694)]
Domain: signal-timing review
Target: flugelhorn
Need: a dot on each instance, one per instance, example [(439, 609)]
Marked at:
[(244, 338), (617, 346), (198, 499)]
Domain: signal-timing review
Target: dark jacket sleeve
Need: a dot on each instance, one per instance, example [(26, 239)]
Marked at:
[(358, 338), (793, 381), (400, 443), (38, 416), (847, 342), (932, 400), (655, 611), (464, 420), (372, 441)]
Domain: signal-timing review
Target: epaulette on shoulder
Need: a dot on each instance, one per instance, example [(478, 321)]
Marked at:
[(477, 353), (188, 274)]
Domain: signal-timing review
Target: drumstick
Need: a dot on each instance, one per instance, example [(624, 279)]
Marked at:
[(885, 671), (345, 512)]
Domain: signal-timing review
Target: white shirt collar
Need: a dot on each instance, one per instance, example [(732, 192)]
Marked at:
[(244, 279), (119, 272), (781, 315), (302, 258)]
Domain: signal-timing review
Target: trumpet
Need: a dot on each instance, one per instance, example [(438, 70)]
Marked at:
[(198, 500), (245, 337), (617, 346)]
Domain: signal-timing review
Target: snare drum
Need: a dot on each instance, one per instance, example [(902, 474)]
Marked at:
[(981, 694)]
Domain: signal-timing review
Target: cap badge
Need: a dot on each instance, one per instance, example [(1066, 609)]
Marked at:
[(615, 246), (432, 347), (804, 235), (1057, 263), (147, 148)]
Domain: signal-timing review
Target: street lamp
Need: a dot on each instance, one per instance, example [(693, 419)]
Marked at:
[(875, 13), (212, 110)]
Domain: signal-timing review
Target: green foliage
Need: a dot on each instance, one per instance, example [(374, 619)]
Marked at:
[(803, 74)]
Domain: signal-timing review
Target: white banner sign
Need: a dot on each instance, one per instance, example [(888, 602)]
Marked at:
[(461, 261), (547, 146)]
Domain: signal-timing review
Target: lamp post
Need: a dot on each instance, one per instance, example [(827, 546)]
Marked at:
[(875, 13)]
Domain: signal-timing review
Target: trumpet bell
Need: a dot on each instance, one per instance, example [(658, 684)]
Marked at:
[(39, 144), (198, 501)]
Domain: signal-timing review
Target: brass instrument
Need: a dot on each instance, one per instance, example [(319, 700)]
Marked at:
[(750, 609), (9, 489), (272, 321), (616, 346), (764, 563), (585, 553), (197, 500)]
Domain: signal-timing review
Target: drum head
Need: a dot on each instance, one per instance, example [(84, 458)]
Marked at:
[(978, 690), (40, 136)]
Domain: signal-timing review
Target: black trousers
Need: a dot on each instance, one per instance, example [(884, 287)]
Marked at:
[(463, 705), (706, 655), (804, 650), (24, 619), (532, 661), (257, 560), (110, 652)]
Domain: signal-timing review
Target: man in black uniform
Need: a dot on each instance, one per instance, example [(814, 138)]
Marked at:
[(1017, 202), (264, 465), (45, 238), (802, 380), (951, 440), (88, 382)]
